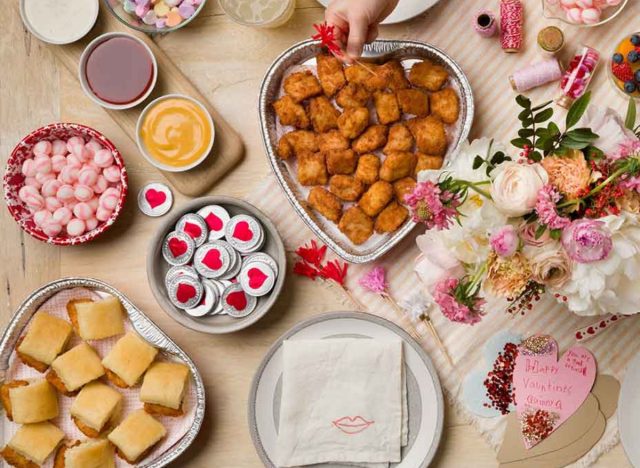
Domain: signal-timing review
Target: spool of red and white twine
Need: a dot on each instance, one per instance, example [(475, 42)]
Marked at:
[(485, 23), (511, 24), (536, 74)]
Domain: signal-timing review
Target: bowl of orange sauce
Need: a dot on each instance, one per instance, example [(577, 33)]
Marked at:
[(175, 133)]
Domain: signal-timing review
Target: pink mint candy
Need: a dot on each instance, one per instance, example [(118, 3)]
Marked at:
[(52, 203), (71, 204), (69, 174), (65, 193), (62, 215), (584, 4), (82, 153), (103, 158), (58, 147), (88, 176), (83, 193), (26, 191), (82, 211), (574, 15), (28, 168), (74, 161), (42, 164), (92, 223), (32, 182), (590, 16), (108, 201), (50, 187), (74, 141), (112, 174), (567, 4), (103, 214), (34, 201), (58, 161), (76, 227), (94, 145), (101, 185), (43, 147), (42, 178), (42, 217), (52, 229)]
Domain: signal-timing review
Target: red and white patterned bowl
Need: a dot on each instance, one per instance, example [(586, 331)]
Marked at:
[(13, 180)]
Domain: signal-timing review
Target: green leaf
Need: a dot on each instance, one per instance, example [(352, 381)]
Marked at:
[(578, 109), (523, 101), (542, 106), (527, 122), (525, 132), (477, 162), (582, 134), (540, 231), (630, 120), (522, 116), (498, 158), (553, 129), (520, 142), (543, 116), (536, 156), (555, 234), (570, 143)]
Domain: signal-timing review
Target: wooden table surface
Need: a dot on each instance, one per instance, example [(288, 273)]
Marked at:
[(226, 62)]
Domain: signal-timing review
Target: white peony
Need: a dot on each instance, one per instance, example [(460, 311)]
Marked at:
[(515, 187), (610, 285), (608, 125)]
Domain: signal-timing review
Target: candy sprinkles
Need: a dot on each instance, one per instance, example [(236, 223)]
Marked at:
[(499, 381), (511, 24)]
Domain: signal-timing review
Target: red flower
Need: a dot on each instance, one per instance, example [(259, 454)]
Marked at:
[(304, 269), (335, 271), (327, 37), (312, 254)]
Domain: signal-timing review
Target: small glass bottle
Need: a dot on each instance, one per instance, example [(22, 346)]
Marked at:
[(259, 13), (578, 75)]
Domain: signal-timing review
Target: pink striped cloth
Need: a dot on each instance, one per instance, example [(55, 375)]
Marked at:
[(448, 26)]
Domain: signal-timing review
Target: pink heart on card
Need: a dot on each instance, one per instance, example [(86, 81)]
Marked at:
[(547, 390)]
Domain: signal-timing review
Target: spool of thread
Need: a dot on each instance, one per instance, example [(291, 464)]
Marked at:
[(511, 24), (551, 40), (485, 23), (536, 74)]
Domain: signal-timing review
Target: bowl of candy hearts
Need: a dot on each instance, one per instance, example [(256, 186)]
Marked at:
[(155, 16), (585, 13), (65, 183), (216, 265)]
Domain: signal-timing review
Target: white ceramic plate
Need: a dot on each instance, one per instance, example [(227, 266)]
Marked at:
[(405, 10), (424, 395), (629, 412)]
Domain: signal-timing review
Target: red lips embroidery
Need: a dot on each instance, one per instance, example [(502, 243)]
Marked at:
[(155, 198), (242, 231), (177, 247), (352, 425), (237, 300), (185, 292), (212, 259), (256, 278), (193, 230), (214, 223)]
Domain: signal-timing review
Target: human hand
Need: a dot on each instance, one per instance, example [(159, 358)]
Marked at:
[(356, 22)]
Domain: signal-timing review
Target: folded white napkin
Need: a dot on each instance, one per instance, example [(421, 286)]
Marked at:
[(342, 401)]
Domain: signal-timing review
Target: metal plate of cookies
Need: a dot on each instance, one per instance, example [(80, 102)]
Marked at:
[(301, 57), (138, 321)]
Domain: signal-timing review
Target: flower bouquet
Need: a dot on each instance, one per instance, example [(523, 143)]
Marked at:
[(560, 216)]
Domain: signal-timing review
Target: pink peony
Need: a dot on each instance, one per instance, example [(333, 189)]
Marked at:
[(505, 241), (446, 296), (527, 233), (587, 240), (432, 206), (546, 208)]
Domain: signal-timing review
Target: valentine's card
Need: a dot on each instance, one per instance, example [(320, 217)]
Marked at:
[(549, 390)]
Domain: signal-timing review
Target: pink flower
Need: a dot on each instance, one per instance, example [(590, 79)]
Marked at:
[(505, 241), (455, 304), (375, 281), (527, 233), (432, 206), (587, 240), (547, 210), (436, 261), (630, 183), (626, 148)]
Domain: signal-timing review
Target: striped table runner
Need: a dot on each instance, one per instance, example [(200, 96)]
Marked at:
[(448, 26)]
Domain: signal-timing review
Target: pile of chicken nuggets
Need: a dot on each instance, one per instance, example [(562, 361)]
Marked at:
[(362, 133)]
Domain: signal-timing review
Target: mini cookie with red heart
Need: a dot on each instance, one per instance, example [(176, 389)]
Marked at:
[(245, 234), (155, 199), (185, 292), (216, 218), (212, 260), (257, 278), (195, 227), (178, 248), (237, 303)]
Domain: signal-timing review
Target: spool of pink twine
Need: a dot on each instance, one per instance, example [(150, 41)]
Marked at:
[(511, 23), (536, 74), (485, 23)]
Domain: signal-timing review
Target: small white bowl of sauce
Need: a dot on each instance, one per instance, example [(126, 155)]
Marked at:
[(59, 21), (118, 70)]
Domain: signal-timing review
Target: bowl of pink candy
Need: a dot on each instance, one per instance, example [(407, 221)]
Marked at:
[(155, 16), (65, 183), (585, 13)]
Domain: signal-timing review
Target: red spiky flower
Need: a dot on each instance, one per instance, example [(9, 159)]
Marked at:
[(335, 271), (327, 36), (304, 269), (312, 254)]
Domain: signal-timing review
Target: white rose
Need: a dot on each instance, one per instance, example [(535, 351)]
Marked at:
[(515, 187), (608, 125), (435, 262)]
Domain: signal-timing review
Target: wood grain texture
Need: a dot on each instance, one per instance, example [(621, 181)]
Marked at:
[(226, 62)]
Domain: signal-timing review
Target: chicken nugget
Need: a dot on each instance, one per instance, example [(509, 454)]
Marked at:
[(427, 161), (430, 135), (376, 198), (428, 75), (368, 169), (353, 95), (341, 161), (373, 138), (356, 225), (400, 139), (446, 105), (391, 218), (397, 164), (312, 169), (296, 142), (324, 116), (290, 112), (346, 187), (413, 101), (404, 187), (367, 75), (302, 85), (396, 75), (332, 140), (325, 203), (387, 107), (353, 121), (330, 73)]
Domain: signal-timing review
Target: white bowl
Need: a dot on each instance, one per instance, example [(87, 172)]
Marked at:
[(83, 77), (72, 39), (150, 158)]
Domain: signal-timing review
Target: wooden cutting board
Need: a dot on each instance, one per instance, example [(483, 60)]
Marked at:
[(228, 149)]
